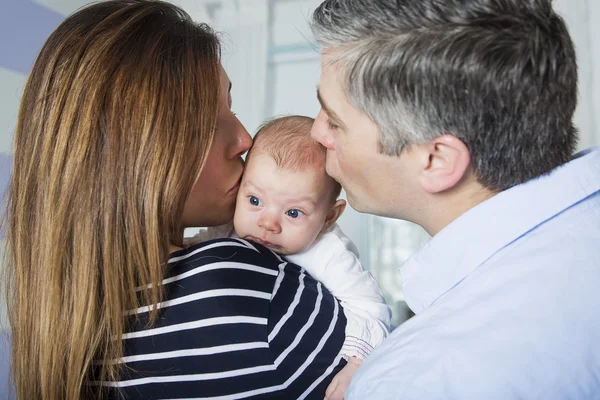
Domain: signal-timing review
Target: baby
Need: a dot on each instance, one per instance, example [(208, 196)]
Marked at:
[(288, 203)]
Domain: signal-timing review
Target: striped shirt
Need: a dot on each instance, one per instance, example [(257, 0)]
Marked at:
[(238, 322)]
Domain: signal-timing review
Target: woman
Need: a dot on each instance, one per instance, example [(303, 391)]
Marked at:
[(125, 136)]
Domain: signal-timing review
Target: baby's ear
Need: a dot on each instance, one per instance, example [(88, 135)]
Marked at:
[(334, 213)]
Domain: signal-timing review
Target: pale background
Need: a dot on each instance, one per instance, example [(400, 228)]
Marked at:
[(273, 63)]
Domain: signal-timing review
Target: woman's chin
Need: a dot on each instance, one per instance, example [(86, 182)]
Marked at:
[(216, 218)]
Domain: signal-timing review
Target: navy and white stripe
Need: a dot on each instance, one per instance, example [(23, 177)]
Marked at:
[(237, 322)]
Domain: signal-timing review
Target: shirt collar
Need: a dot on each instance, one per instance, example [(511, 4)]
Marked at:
[(485, 229)]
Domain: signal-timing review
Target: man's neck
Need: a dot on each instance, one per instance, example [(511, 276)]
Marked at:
[(444, 208)]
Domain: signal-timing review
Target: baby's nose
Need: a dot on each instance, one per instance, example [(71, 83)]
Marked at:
[(270, 223)]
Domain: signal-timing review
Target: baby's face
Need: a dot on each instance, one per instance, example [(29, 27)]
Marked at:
[(282, 210)]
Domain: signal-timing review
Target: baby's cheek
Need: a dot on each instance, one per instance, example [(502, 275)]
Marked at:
[(238, 221), (299, 242)]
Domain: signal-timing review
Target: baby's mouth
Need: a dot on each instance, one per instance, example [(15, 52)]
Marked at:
[(265, 243)]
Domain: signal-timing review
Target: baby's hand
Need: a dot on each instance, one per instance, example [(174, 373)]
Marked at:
[(339, 384)]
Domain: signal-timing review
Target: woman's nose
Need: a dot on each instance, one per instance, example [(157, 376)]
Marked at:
[(269, 223), (244, 140), (320, 131)]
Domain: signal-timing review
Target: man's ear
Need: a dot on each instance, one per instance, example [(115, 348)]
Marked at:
[(334, 213), (445, 161)]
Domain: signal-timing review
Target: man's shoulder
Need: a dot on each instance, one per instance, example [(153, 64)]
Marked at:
[(456, 369), (484, 351)]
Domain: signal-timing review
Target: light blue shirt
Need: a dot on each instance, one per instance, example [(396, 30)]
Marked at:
[(507, 300)]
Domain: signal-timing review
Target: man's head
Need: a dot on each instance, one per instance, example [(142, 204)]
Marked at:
[(286, 198), (438, 94)]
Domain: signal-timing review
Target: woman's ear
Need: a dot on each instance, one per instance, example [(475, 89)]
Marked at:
[(446, 160), (333, 214)]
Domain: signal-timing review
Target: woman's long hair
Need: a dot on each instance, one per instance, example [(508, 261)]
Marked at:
[(115, 124)]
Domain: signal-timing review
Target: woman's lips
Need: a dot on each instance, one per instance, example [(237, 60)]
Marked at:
[(235, 189)]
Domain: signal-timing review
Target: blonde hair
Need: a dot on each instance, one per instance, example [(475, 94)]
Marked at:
[(115, 124), (288, 142)]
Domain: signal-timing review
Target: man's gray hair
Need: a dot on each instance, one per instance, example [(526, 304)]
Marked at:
[(501, 75)]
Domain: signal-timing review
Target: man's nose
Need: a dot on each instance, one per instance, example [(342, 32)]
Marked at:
[(270, 223), (320, 132)]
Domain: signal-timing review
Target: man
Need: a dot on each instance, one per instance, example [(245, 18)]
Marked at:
[(457, 115)]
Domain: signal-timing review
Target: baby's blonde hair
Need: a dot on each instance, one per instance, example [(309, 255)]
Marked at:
[(287, 140)]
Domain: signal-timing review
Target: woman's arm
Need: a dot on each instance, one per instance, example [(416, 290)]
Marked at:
[(304, 309), (238, 322)]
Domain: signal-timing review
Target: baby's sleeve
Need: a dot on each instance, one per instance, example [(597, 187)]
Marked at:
[(334, 262), (366, 311)]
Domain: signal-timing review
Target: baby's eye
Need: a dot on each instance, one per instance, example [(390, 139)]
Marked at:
[(255, 201), (294, 213)]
